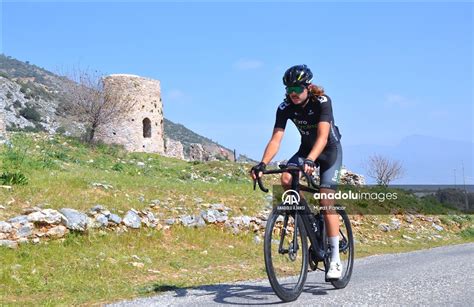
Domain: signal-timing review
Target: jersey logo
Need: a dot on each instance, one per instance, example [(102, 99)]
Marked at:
[(310, 112), (322, 99), (283, 105)]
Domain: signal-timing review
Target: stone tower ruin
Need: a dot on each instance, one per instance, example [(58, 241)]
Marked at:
[(142, 128)]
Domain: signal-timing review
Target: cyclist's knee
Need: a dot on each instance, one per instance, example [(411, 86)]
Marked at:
[(285, 180), (327, 202)]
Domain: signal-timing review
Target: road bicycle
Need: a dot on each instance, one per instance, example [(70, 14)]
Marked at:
[(291, 227)]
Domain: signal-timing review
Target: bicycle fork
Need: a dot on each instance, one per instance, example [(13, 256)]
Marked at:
[(293, 247)]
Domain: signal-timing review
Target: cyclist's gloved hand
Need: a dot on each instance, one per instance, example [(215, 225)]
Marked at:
[(309, 166), (257, 170)]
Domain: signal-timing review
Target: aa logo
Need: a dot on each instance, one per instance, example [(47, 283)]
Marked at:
[(290, 197)]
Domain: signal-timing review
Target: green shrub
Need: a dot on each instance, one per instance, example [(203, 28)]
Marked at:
[(11, 127), (101, 162), (13, 178), (468, 233), (30, 113), (221, 157), (48, 163), (59, 155), (109, 149), (3, 74), (23, 88), (17, 104), (118, 167), (9, 95), (29, 129), (61, 130), (39, 126), (31, 90), (13, 157)]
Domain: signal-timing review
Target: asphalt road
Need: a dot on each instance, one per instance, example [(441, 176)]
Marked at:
[(438, 276)]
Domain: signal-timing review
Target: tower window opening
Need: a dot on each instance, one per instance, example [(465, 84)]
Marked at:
[(147, 128)]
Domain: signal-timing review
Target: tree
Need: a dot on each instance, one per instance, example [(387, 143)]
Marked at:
[(383, 170), (89, 100)]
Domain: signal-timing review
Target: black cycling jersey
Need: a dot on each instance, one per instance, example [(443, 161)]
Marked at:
[(318, 109)]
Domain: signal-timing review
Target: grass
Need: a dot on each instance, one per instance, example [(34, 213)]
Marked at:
[(58, 168), (106, 266), (98, 268)]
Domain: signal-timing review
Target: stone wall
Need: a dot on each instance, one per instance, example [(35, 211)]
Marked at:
[(174, 149), (197, 153), (142, 129)]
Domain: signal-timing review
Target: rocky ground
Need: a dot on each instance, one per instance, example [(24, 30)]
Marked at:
[(37, 225)]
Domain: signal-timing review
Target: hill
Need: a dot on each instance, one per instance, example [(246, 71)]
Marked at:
[(32, 99)]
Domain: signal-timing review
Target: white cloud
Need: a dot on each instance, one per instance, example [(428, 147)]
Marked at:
[(247, 64)]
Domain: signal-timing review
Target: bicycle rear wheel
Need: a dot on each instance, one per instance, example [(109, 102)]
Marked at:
[(286, 259)]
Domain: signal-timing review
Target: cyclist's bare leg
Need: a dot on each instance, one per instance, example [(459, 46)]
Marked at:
[(286, 181), (330, 216)]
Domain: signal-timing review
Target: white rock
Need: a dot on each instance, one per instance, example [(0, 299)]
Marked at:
[(132, 219), (57, 231), (47, 216), (5, 227), (9, 243)]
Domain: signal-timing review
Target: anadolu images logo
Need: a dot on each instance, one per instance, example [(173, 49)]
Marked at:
[(290, 197)]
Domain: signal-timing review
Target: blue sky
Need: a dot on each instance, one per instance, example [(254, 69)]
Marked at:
[(392, 69)]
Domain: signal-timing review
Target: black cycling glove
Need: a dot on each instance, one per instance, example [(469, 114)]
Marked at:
[(309, 162), (258, 168)]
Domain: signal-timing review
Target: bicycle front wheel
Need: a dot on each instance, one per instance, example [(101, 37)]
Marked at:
[(286, 254)]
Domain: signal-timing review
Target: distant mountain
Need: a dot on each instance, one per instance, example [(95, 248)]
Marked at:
[(426, 159), (31, 98)]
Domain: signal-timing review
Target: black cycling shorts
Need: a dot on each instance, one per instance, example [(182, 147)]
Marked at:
[(330, 162)]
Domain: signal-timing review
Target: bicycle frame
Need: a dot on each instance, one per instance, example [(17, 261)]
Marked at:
[(313, 231)]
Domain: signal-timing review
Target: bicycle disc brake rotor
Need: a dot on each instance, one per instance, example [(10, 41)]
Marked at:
[(292, 252)]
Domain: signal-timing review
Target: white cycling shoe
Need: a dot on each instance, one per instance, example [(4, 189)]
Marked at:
[(335, 270)]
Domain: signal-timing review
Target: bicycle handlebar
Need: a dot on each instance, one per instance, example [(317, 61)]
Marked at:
[(287, 169)]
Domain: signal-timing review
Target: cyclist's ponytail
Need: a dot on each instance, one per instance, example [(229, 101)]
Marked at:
[(316, 90)]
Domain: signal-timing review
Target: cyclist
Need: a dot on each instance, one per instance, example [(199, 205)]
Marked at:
[(310, 109)]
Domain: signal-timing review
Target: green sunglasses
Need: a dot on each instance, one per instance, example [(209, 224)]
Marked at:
[(296, 89)]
